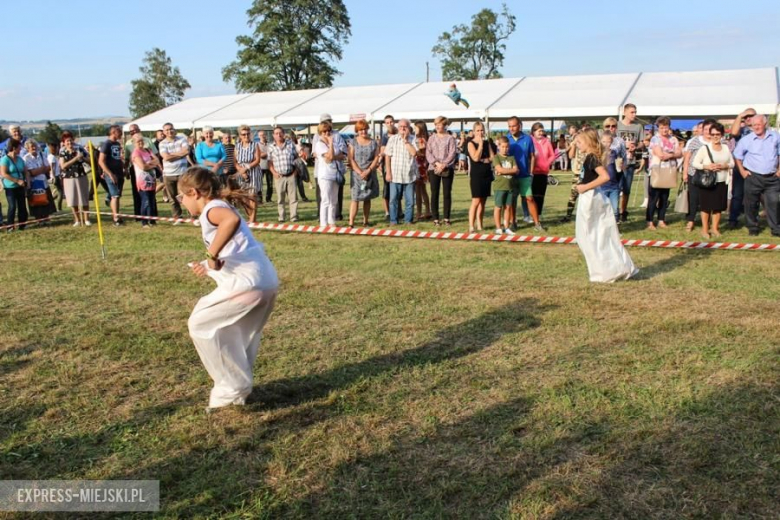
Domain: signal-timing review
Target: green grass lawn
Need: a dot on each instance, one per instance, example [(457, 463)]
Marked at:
[(402, 378)]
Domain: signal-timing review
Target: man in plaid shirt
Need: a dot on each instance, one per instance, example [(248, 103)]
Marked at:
[(281, 162), (401, 171)]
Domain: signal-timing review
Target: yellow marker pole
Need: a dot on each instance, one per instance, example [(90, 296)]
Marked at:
[(97, 204)]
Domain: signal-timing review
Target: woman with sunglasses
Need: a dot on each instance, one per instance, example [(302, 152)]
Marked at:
[(715, 157), (249, 175)]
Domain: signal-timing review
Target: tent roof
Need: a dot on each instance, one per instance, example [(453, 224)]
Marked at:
[(674, 94), (342, 103), (711, 93), (429, 100), (259, 109), (565, 96), (185, 113)]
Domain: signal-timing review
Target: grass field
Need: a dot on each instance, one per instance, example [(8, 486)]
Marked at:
[(402, 378)]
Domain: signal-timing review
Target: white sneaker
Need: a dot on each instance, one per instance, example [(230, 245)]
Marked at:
[(528, 220), (498, 231), (76, 224), (87, 223), (644, 204), (508, 231)]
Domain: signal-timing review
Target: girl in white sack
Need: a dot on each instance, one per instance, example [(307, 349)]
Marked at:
[(597, 231), (226, 325)]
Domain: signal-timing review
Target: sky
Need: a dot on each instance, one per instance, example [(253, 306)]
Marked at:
[(72, 64)]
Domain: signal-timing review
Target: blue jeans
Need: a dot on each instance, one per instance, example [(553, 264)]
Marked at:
[(17, 205), (737, 197), (147, 205), (627, 181), (396, 190), (613, 194)]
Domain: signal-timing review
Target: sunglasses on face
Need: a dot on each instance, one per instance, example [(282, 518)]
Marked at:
[(610, 126)]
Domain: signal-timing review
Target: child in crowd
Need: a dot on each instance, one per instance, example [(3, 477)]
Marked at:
[(596, 230), (146, 164), (505, 168), (611, 189), (454, 94), (226, 325), (55, 176)]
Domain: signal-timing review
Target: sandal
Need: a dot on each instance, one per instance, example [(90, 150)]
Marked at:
[(447, 222), (689, 227), (716, 234), (436, 223), (651, 226), (662, 224), (705, 235)]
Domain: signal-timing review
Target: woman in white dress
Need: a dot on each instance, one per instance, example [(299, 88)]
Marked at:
[(226, 325), (596, 229)]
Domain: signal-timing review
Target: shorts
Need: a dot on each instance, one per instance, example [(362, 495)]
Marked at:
[(522, 187), (114, 190), (627, 180), (503, 198)]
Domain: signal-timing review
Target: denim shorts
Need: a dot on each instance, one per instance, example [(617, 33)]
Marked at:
[(114, 190), (627, 180)]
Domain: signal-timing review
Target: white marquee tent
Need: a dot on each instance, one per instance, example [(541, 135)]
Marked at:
[(719, 93)]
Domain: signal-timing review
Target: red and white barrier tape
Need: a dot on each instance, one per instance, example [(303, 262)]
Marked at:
[(36, 221), (479, 237)]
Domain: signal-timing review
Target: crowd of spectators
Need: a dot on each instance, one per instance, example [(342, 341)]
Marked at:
[(714, 168)]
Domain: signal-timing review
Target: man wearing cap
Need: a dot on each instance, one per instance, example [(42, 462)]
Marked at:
[(128, 167), (756, 156), (739, 129), (341, 150), (16, 133)]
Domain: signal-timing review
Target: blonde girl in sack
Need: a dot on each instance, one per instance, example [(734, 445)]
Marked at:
[(226, 325), (596, 228)]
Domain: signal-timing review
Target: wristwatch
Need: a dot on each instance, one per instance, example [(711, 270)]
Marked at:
[(211, 257)]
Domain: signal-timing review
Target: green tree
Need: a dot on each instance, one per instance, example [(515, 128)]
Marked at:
[(291, 47), (161, 84), (50, 134), (476, 51), (97, 130)]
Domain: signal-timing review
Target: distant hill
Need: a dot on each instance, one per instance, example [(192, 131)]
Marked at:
[(70, 123)]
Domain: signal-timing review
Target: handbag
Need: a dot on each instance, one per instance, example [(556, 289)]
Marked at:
[(706, 179), (681, 202), (663, 177)]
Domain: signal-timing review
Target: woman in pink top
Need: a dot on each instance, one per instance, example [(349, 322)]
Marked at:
[(544, 159)]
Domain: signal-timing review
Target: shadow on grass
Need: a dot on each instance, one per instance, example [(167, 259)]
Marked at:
[(12, 359), (716, 457), (678, 259), (68, 456), (452, 342)]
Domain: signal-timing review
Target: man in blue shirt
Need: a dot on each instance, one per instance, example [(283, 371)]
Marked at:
[(16, 133), (521, 147), (756, 157)]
